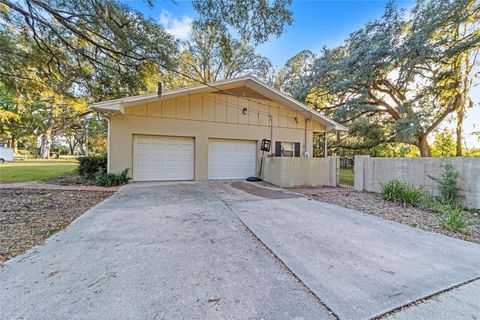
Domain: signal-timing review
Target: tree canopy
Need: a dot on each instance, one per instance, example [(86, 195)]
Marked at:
[(57, 56), (292, 78), (254, 20), (211, 56), (398, 78)]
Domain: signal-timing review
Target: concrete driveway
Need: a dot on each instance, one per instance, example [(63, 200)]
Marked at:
[(158, 251), (184, 251), (359, 265)]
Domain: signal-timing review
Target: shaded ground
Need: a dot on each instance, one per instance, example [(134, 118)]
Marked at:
[(264, 192), (28, 216), (35, 170), (373, 204)]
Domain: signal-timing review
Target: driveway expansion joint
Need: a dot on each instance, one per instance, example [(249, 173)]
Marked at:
[(423, 300), (278, 260)]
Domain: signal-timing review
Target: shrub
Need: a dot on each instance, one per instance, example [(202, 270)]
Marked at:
[(448, 184), (454, 218), (396, 190), (111, 179), (89, 166), (431, 203), (392, 190)]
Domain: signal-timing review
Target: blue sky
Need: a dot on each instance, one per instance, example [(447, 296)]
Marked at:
[(317, 23)]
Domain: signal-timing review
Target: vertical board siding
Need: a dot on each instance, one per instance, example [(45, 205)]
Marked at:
[(224, 109)]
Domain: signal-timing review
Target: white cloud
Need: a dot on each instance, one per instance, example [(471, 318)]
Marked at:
[(180, 28)]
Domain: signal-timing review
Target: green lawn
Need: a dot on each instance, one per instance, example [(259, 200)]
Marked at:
[(34, 170), (346, 176)]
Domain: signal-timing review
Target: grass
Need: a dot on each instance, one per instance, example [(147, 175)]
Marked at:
[(36, 169), (346, 176)]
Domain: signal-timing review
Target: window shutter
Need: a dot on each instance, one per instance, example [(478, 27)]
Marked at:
[(296, 148), (278, 149)]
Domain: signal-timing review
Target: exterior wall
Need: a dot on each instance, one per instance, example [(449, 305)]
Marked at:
[(205, 116), (370, 173), (297, 172)]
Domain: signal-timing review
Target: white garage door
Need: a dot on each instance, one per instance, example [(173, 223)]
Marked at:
[(231, 159), (158, 158)]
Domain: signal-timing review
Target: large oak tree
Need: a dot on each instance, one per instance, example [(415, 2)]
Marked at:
[(396, 80)]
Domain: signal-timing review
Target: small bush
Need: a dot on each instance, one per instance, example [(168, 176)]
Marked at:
[(448, 184), (111, 179), (89, 166), (393, 190), (454, 218), (432, 203), (396, 190)]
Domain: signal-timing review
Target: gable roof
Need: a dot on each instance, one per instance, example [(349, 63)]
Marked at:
[(118, 105)]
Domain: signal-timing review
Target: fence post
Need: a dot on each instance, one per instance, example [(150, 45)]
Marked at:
[(334, 166), (359, 168)]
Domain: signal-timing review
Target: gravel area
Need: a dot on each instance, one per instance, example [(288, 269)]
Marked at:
[(53, 186), (29, 216), (373, 204)]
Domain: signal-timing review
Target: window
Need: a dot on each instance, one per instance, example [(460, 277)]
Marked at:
[(287, 149)]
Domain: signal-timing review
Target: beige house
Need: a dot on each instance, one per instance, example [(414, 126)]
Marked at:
[(207, 132)]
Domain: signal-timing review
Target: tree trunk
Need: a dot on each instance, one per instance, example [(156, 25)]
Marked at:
[(71, 145), (459, 131), (46, 139), (14, 145), (424, 147), (45, 144), (83, 149)]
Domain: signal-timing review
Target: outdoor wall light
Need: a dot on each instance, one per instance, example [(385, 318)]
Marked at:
[(244, 111)]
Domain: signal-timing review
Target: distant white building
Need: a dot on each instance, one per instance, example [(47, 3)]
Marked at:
[(6, 154)]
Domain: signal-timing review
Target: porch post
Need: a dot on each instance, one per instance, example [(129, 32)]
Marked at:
[(325, 152)]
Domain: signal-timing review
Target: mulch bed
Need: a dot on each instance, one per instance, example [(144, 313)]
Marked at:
[(29, 216), (373, 204)]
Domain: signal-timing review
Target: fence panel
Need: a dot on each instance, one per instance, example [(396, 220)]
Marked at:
[(371, 173)]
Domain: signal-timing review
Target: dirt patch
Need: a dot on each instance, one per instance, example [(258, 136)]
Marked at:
[(373, 204), (29, 216)]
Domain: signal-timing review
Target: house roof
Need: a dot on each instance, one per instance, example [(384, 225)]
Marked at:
[(118, 105)]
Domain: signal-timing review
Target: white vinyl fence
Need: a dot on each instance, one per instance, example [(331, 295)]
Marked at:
[(370, 173)]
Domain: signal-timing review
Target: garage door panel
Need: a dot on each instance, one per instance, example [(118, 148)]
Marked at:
[(231, 159), (159, 158)]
